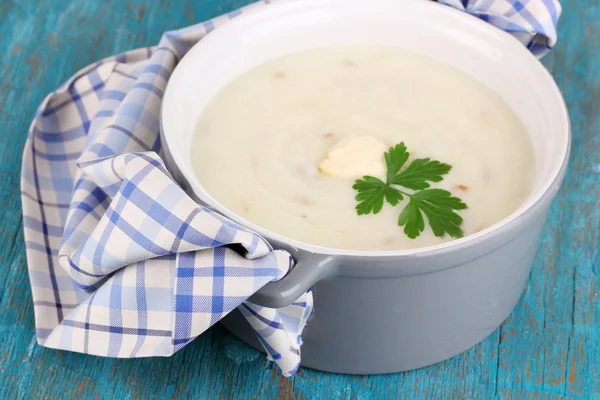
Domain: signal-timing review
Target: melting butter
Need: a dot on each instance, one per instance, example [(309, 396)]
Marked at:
[(355, 156)]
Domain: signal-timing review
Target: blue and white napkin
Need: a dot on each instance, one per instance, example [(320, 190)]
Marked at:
[(122, 262), (533, 22)]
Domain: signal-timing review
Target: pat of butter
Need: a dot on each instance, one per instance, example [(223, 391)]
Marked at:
[(355, 156)]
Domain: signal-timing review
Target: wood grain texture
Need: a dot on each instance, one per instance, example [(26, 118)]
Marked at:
[(549, 348)]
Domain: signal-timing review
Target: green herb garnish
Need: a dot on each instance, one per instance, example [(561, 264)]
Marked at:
[(438, 205)]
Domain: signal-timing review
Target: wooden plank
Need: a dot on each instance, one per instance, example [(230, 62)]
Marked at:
[(549, 348)]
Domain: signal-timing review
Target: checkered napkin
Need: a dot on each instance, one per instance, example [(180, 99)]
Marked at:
[(533, 22), (122, 262)]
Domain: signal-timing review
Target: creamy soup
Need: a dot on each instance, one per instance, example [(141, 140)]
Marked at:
[(260, 145)]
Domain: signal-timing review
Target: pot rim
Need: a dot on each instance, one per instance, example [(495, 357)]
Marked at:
[(537, 200)]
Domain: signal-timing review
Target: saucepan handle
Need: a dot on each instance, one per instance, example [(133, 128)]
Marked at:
[(309, 269)]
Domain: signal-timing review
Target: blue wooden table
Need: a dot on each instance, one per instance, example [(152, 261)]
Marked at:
[(549, 347)]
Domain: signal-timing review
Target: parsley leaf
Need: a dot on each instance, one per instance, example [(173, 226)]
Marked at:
[(412, 219), (416, 175), (395, 159), (438, 205), (371, 193)]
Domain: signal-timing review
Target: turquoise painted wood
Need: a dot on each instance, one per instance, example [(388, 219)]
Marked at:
[(549, 348)]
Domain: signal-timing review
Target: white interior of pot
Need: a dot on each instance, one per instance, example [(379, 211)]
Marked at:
[(440, 32)]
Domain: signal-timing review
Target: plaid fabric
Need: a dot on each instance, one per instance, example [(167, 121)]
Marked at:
[(533, 22), (122, 262)]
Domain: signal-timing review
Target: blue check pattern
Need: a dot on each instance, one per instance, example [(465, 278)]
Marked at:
[(122, 262), (533, 22)]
